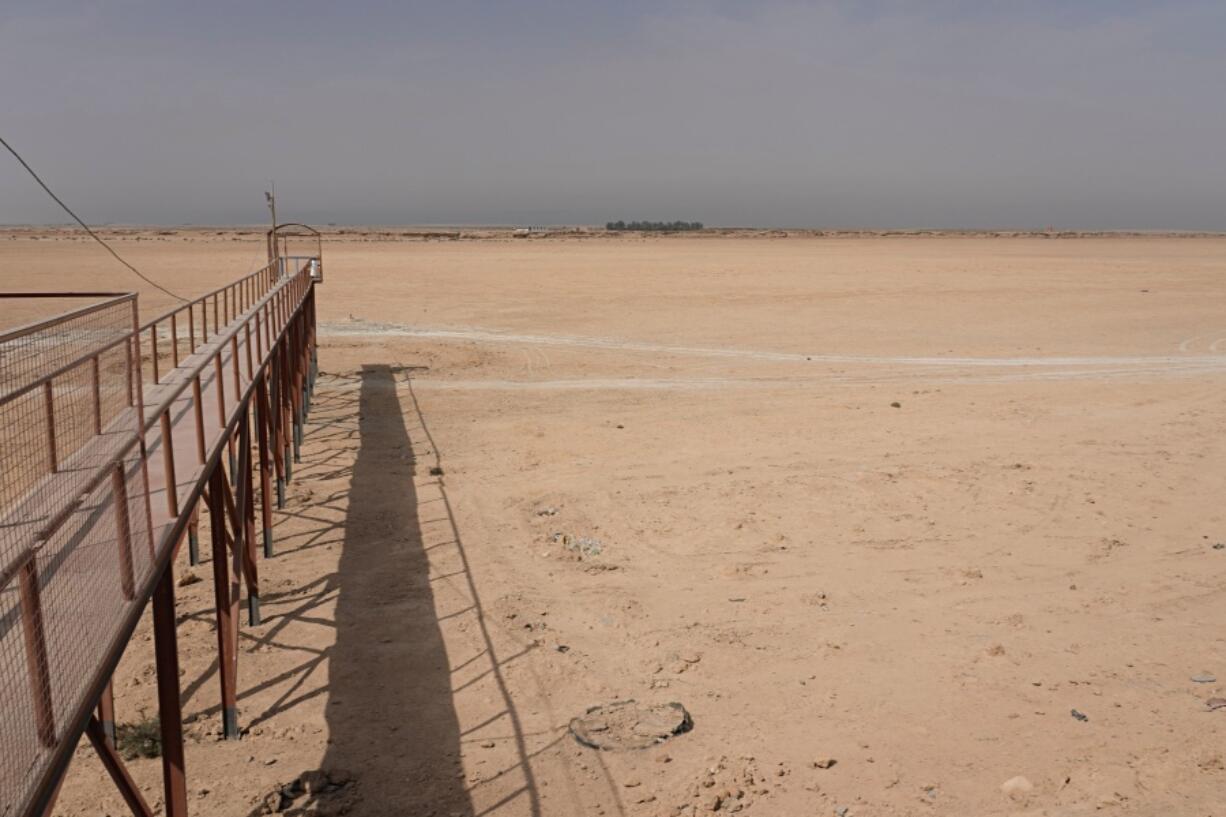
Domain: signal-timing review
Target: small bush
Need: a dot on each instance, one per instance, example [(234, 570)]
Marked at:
[(140, 739)]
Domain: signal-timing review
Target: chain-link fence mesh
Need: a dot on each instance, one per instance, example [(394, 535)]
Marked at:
[(74, 537)]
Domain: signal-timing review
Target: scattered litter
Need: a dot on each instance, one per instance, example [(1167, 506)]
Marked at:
[(841, 811), (547, 512), (1081, 716), (627, 725), (585, 546), (436, 470), (1204, 678), (1216, 703), (736, 598), (562, 648), (1219, 545)]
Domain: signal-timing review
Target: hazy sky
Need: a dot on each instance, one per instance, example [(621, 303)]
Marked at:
[(1087, 114)]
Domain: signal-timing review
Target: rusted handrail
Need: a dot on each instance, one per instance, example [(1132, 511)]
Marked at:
[(151, 414), (62, 317), (228, 302), (267, 309), (111, 299), (260, 312)]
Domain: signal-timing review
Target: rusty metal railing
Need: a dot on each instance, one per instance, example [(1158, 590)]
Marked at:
[(99, 474), (177, 333), (74, 521)]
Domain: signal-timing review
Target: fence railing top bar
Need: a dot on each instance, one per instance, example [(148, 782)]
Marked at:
[(109, 299), (62, 294), (213, 293), (30, 385)]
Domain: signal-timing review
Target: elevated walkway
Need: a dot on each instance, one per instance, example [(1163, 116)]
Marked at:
[(112, 436)]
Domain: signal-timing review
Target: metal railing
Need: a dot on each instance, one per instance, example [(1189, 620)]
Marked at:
[(186, 327), (239, 356), (74, 522), (82, 545)]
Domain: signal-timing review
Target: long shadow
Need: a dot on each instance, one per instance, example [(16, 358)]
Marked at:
[(391, 718), (392, 694), (467, 590)]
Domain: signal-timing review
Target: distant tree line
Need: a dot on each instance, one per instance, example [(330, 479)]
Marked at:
[(654, 226)]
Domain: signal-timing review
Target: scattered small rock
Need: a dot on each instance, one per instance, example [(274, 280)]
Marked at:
[(329, 793), (547, 512), (436, 470), (896, 404), (1211, 763), (1204, 678), (1017, 787), (187, 578), (271, 803), (1216, 703), (1219, 545), (824, 762), (1081, 716), (314, 781)]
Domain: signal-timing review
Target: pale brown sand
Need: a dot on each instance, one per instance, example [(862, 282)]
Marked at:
[(922, 593)]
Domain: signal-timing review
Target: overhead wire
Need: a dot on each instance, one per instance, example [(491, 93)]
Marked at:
[(85, 226)]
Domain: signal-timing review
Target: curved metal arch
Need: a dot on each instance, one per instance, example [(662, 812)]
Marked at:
[(310, 230), (281, 233)]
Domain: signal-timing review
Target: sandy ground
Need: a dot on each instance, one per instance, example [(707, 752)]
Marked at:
[(903, 504)]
